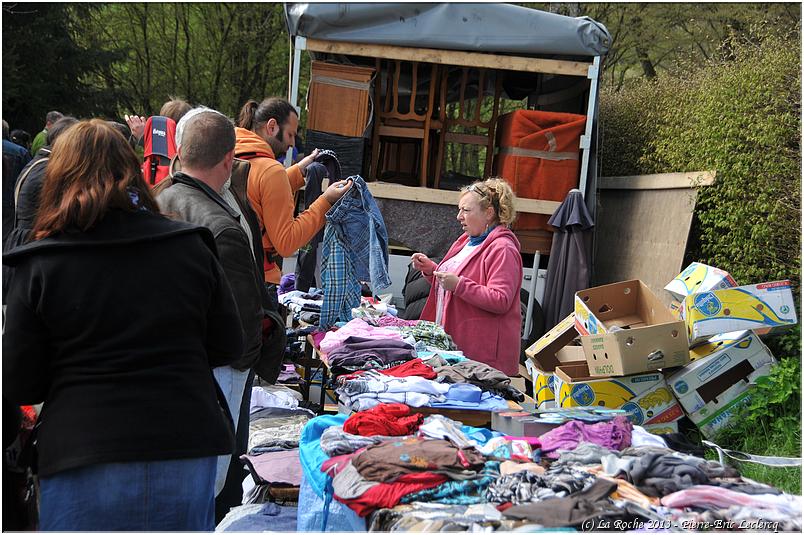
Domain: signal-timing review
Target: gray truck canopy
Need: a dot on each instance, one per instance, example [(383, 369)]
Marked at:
[(491, 28)]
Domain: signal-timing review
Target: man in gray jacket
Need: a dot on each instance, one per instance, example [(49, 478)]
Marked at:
[(201, 194)]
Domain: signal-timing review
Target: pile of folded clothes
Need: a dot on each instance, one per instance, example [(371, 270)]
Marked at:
[(274, 472), (305, 306), (394, 470), (409, 362)]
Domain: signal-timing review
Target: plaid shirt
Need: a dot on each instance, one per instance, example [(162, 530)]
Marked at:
[(338, 280)]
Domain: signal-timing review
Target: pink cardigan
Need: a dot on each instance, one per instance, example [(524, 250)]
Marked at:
[(483, 314)]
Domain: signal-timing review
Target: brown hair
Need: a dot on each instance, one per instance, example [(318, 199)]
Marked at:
[(253, 115), (92, 168), (175, 108), (206, 139)]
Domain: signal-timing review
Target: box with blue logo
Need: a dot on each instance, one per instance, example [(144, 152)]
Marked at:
[(762, 307), (711, 388), (698, 278), (645, 397)]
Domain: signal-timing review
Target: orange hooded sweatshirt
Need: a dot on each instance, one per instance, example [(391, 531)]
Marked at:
[(270, 191)]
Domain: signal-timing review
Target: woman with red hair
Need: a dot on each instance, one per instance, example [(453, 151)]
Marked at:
[(115, 317)]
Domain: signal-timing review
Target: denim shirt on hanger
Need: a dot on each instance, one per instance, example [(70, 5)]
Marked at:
[(355, 230)]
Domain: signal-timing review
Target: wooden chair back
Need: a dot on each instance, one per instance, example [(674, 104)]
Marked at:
[(469, 117), (394, 120)]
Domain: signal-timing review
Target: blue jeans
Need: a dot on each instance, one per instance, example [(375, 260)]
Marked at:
[(360, 227), (171, 495), (233, 386)]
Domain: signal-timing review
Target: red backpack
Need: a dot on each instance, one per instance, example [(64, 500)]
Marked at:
[(160, 147)]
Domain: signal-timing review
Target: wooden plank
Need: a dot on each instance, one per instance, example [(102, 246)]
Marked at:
[(396, 131), (660, 181), (642, 235), (468, 139), (382, 190), (452, 57)]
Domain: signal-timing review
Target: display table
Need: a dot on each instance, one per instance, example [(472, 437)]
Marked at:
[(476, 418)]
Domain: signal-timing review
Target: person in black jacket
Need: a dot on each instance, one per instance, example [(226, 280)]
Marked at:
[(202, 194), (115, 317)]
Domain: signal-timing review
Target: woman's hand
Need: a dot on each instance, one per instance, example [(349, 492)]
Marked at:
[(447, 280), (136, 124), (422, 263)]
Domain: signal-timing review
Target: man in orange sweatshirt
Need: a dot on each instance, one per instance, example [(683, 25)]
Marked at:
[(265, 131)]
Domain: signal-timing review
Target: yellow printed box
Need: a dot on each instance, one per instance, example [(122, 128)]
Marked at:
[(645, 397), (698, 278), (544, 353), (762, 307), (543, 387), (716, 343), (544, 381)]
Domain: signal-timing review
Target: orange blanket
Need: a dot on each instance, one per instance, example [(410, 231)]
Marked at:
[(539, 156)]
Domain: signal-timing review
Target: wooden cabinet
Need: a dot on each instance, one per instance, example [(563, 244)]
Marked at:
[(338, 101)]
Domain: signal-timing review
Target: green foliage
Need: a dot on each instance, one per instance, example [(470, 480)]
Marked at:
[(738, 115), (651, 38), (45, 68), (771, 424), (739, 118), (110, 59)]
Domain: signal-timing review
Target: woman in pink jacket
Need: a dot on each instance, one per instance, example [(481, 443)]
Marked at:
[(474, 291)]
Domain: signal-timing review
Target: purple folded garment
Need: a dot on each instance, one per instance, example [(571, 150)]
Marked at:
[(615, 435), (281, 467), (287, 283)]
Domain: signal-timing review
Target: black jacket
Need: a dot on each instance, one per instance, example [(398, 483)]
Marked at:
[(116, 330), (194, 201)]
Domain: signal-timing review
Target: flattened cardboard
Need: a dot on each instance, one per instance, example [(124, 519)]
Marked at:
[(698, 278), (763, 307), (628, 330), (645, 397), (544, 351), (709, 381)]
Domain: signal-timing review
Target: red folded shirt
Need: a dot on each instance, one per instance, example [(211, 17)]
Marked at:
[(388, 419)]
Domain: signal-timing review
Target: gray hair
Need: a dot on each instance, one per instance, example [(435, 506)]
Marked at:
[(53, 116)]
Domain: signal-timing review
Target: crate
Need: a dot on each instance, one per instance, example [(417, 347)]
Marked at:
[(338, 101)]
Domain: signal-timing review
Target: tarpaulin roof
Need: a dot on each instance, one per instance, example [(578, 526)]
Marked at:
[(491, 28)]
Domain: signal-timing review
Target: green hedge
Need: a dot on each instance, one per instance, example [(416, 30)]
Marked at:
[(741, 118)]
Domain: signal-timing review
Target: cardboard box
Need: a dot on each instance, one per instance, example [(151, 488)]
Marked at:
[(675, 309), (645, 397), (544, 351), (544, 382), (763, 307), (523, 424), (548, 352), (716, 343), (631, 330), (708, 382), (715, 416), (698, 278)]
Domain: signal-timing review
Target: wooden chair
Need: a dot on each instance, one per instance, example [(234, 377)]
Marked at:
[(392, 123), (468, 118)]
